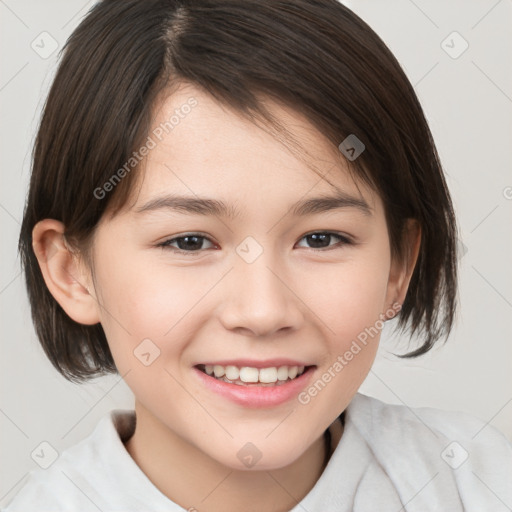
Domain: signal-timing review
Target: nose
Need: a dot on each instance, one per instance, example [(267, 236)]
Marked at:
[(260, 300)]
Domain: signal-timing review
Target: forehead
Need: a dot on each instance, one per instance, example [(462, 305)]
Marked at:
[(200, 148)]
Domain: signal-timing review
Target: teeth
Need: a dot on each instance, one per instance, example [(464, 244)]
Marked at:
[(249, 374), (268, 375), (218, 370), (232, 373), (252, 375)]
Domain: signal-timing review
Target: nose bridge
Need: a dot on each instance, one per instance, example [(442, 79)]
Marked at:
[(261, 301)]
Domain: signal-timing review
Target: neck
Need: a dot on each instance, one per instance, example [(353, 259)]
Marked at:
[(190, 478)]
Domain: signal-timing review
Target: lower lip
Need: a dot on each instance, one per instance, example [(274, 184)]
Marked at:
[(257, 396)]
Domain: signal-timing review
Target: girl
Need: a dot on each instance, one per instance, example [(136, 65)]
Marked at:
[(228, 200)]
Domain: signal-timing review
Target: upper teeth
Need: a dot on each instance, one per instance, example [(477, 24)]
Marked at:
[(249, 374)]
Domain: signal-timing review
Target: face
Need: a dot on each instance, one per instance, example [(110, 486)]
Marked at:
[(259, 285)]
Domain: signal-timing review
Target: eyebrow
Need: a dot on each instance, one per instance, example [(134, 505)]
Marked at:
[(206, 206)]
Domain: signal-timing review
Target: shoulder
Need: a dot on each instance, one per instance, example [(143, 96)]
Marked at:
[(36, 492), (426, 421), (71, 482), (473, 458)]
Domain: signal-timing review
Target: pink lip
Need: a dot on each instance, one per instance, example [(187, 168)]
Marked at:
[(267, 363), (253, 395)]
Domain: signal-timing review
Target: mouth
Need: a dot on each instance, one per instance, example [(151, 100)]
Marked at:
[(272, 376), (265, 384)]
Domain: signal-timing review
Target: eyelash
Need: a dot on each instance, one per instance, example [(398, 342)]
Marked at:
[(166, 243)]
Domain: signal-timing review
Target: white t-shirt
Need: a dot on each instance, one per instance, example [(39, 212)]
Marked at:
[(390, 458)]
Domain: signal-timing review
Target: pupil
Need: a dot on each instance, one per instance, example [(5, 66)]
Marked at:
[(195, 245), (319, 236)]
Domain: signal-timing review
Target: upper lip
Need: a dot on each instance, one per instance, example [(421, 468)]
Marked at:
[(267, 363)]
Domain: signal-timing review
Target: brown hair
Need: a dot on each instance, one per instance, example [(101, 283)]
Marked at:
[(316, 56)]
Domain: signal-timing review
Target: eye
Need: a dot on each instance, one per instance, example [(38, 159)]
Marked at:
[(319, 239), (189, 244), (192, 244)]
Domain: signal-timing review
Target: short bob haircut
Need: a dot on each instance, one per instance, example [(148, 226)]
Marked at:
[(314, 56)]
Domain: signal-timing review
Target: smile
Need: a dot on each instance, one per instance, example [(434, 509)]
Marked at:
[(245, 385), (247, 375)]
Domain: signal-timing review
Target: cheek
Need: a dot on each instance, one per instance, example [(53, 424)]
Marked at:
[(349, 306), (348, 297), (147, 302)]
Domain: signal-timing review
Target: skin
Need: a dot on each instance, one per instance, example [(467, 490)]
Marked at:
[(294, 300)]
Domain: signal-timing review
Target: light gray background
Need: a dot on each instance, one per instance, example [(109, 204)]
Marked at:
[(468, 102)]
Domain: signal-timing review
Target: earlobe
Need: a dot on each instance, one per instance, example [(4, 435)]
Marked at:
[(401, 271), (63, 272)]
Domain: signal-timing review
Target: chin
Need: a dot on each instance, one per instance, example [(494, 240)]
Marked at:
[(253, 457)]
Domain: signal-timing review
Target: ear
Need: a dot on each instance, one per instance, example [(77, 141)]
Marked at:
[(401, 271), (64, 272)]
